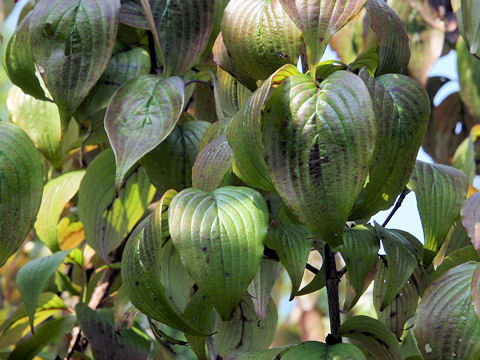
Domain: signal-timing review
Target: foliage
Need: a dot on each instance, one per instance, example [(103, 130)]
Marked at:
[(165, 160)]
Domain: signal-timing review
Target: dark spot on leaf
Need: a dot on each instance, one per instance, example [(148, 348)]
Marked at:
[(321, 39), (207, 260), (226, 273), (281, 55), (204, 249), (48, 30), (136, 283)]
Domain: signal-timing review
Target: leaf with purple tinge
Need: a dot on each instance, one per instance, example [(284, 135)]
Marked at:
[(476, 291), (471, 219), (72, 42), (140, 115), (318, 20)]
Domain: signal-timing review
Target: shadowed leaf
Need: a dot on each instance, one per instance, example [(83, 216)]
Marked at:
[(261, 286), (312, 350)]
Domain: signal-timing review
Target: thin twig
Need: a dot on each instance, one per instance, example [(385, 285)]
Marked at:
[(272, 255), (397, 205), (342, 272)]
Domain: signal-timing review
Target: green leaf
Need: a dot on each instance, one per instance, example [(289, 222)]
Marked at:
[(105, 342), (107, 219), (318, 20), (169, 165), (471, 219), (21, 188), (56, 194), (72, 42), (213, 165), (244, 134), (372, 337), (260, 36), (401, 262), (447, 326), (367, 59), (392, 38), (49, 332), (312, 350), (124, 311), (132, 12), (19, 63), (40, 120), (246, 331), (142, 269), (219, 237), (402, 307), (468, 18), (33, 277), (457, 238), (140, 115), (469, 78), (440, 191), (293, 244), (125, 66), (456, 258), (261, 286), (360, 251), (270, 354), (464, 159), (199, 313), (231, 93), (318, 146), (401, 115), (317, 283)]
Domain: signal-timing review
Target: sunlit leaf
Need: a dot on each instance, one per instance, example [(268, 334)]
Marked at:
[(447, 326), (261, 286), (260, 36), (124, 312), (469, 76), (140, 116), (455, 258), (318, 147), (219, 237), (464, 158), (107, 219), (471, 219), (246, 331), (21, 188), (56, 194), (468, 18), (312, 350), (72, 42), (440, 191), (318, 20), (372, 337), (231, 93), (34, 276)]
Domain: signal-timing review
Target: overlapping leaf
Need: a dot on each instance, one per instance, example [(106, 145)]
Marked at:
[(471, 219), (373, 337), (312, 350), (219, 237), (392, 38), (318, 147), (199, 313), (246, 331), (455, 258), (21, 187), (468, 18), (72, 42), (244, 134), (34, 276), (401, 116), (261, 286), (140, 115), (447, 326), (464, 158), (142, 269), (107, 219), (169, 165), (56, 194), (440, 192), (468, 76), (318, 20), (260, 36), (476, 291), (126, 65), (133, 14), (231, 93), (125, 313)]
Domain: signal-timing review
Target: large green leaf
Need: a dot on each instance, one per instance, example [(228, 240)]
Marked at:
[(40, 120), (261, 286), (447, 326), (372, 337), (140, 116), (107, 219), (244, 133), (169, 165), (318, 20), (199, 313), (213, 165), (21, 187), (126, 65), (312, 350), (293, 244), (231, 93), (133, 14), (469, 78), (142, 269), (260, 36), (440, 192), (360, 251), (318, 147), (246, 331), (106, 343), (219, 237), (401, 262), (18, 61), (401, 116), (468, 18), (392, 38), (56, 194), (455, 258), (471, 219), (72, 42), (34, 276), (50, 331)]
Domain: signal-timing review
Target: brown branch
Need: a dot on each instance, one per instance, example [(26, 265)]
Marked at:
[(332, 281), (397, 206)]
